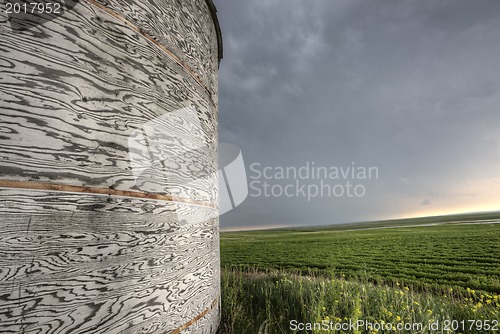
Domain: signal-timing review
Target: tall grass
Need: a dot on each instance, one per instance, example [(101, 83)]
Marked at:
[(257, 302)]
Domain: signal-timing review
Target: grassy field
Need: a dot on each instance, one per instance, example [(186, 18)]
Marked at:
[(386, 272)]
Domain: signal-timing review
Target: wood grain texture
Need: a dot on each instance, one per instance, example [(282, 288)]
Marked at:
[(100, 191), (74, 263), (185, 26), (202, 322), (88, 103), (80, 102), (104, 270)]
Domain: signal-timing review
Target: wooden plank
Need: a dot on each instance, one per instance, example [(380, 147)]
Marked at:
[(102, 271), (108, 188), (138, 26), (92, 190), (185, 26), (81, 102), (196, 321)]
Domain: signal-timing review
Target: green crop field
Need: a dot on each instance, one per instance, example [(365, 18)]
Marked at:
[(435, 269), (459, 255)]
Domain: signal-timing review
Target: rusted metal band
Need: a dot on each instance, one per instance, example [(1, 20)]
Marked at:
[(155, 42), (197, 318), (98, 191)]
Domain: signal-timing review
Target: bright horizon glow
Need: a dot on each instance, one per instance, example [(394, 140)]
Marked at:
[(429, 214), (437, 212), (252, 228)]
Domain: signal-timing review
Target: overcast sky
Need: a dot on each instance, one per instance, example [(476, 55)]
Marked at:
[(410, 87)]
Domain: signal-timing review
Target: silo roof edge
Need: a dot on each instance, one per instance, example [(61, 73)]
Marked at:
[(213, 11)]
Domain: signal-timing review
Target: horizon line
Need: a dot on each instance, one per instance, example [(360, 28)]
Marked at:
[(284, 226)]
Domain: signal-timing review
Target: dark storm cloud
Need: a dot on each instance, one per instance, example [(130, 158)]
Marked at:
[(412, 87)]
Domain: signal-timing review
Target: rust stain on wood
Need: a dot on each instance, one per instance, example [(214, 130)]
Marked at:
[(197, 318), (100, 191), (155, 42)]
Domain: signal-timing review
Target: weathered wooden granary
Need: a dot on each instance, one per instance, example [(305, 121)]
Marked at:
[(108, 187)]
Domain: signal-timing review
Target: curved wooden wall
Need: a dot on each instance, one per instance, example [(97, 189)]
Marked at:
[(90, 242)]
